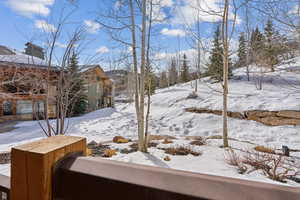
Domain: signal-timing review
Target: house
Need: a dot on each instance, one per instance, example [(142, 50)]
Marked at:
[(23, 87), (99, 87), (23, 82)]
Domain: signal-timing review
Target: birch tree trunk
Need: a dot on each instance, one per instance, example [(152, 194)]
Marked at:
[(225, 71), (142, 146)]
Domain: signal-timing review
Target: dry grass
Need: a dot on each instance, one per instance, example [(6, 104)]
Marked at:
[(181, 150), (233, 159), (109, 153), (215, 137), (161, 137), (167, 141), (264, 149), (198, 142), (276, 167), (194, 138)]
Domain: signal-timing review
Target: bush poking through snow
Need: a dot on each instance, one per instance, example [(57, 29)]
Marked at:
[(233, 159), (264, 149), (201, 141), (276, 167), (120, 139), (167, 141), (194, 138), (215, 137), (109, 153), (134, 146), (127, 151), (181, 151), (161, 137), (167, 158)]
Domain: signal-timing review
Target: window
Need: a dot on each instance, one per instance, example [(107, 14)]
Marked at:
[(7, 108), (24, 107)]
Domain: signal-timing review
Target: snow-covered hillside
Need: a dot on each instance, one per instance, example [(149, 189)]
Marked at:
[(281, 91)]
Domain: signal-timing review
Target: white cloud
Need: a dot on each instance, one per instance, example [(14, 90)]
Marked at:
[(173, 32), (204, 11), (43, 25), (91, 26), (295, 10), (102, 50), (158, 13), (117, 5), (61, 45), (31, 7)]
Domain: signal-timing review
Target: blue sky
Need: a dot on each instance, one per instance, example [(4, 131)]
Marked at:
[(26, 20)]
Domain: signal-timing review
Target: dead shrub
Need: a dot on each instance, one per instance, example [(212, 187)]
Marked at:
[(127, 151), (264, 149), (233, 159), (181, 150), (135, 146), (98, 150), (152, 144), (161, 137), (109, 153), (167, 141), (215, 137), (198, 142), (275, 167), (194, 138)]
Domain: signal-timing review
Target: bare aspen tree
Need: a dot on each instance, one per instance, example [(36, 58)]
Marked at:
[(225, 70)]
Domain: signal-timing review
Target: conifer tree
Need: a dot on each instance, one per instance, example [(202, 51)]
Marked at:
[(270, 49), (163, 80), (150, 83), (215, 68), (77, 97), (242, 51), (173, 74), (184, 75), (256, 44)]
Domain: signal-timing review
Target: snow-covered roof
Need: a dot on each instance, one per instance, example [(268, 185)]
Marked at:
[(22, 59)]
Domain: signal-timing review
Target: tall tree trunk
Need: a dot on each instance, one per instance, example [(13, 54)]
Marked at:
[(148, 77), (225, 72), (142, 146)]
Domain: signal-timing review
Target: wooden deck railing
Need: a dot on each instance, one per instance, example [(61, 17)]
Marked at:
[(4, 187), (44, 170), (95, 178)]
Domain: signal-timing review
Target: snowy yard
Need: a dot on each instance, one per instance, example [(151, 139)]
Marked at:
[(281, 91)]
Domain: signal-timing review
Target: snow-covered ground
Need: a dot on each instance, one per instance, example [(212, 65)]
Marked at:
[(281, 91)]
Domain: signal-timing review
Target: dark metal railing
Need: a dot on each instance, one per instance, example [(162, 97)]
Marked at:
[(4, 187), (95, 178)]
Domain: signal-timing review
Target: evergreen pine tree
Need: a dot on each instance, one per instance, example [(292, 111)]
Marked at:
[(185, 76), (215, 68), (173, 74), (242, 51), (163, 80), (150, 82), (270, 49), (77, 96), (256, 44)]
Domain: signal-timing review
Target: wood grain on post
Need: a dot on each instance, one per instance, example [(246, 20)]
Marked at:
[(32, 164)]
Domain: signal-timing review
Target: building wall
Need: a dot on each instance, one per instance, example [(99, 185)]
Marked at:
[(24, 105), (99, 89)]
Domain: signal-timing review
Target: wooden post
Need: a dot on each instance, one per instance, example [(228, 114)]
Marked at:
[(32, 164)]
